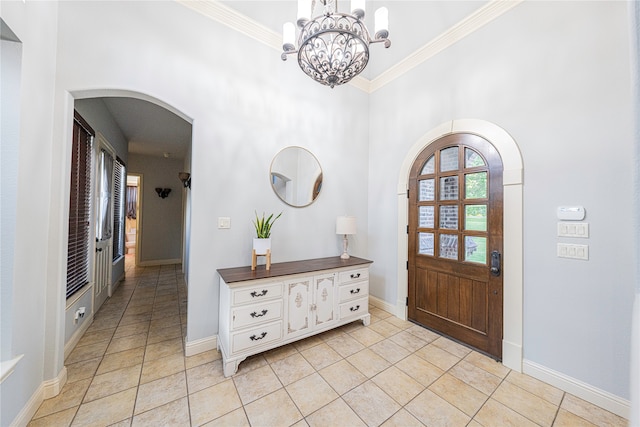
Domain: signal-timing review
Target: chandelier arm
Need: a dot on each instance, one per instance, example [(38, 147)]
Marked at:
[(387, 42)]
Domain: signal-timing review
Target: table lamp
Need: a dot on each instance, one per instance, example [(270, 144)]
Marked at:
[(345, 225)]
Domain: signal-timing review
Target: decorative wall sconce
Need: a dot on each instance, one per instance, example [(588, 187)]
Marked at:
[(185, 177), (163, 192)]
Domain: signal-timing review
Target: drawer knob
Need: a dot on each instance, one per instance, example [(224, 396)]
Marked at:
[(355, 291), (356, 308), (256, 314), (255, 294), (256, 338), (355, 276)]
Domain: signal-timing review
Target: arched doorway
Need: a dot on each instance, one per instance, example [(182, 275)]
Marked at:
[(512, 224)]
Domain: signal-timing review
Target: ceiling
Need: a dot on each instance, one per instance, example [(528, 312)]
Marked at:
[(153, 130), (150, 129)]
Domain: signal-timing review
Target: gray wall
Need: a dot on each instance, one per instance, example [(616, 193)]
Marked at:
[(161, 219), (562, 90)]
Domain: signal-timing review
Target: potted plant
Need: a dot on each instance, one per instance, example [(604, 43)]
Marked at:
[(262, 241)]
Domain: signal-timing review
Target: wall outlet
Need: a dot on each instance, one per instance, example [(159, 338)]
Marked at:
[(224, 222), (79, 314)]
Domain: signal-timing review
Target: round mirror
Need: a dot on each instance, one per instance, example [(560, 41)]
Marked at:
[(296, 176)]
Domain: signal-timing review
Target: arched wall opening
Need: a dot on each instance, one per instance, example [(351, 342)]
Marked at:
[(57, 339), (513, 226)]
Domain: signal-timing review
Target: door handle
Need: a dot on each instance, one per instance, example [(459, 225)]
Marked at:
[(495, 263), (98, 249)]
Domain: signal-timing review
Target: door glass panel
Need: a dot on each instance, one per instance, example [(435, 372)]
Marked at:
[(426, 217), (449, 246), (475, 185), (429, 166), (472, 159), (475, 217), (475, 249), (449, 188), (449, 217), (449, 159), (425, 243), (426, 191)]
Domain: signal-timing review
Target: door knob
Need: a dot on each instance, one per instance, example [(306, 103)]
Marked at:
[(495, 263)]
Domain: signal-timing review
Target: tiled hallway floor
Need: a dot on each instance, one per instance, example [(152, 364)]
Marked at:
[(129, 369)]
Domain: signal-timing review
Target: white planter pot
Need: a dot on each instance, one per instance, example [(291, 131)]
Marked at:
[(261, 245)]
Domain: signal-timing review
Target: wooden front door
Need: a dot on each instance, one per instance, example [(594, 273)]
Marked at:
[(455, 241)]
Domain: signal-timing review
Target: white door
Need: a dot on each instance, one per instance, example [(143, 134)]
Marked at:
[(104, 221)]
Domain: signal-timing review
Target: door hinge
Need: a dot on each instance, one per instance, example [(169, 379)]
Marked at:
[(407, 229), (407, 265), (407, 193), (407, 301)]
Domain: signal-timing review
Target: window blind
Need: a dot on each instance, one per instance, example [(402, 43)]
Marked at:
[(79, 206), (119, 178)]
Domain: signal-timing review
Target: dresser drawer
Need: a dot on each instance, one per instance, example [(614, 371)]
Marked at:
[(354, 308), (256, 294), (354, 275), (256, 337), (353, 290), (254, 314)]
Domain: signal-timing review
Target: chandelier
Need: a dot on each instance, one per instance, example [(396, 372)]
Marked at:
[(333, 48)]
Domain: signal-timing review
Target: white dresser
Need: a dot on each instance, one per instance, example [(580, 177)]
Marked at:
[(263, 309)]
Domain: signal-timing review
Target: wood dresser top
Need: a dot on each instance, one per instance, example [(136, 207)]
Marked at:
[(242, 274)]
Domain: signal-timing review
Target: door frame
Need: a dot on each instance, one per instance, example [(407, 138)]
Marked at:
[(512, 227)]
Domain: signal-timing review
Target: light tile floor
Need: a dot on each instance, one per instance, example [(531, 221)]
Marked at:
[(129, 369)]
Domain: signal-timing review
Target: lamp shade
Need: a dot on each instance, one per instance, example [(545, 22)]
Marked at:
[(346, 225)]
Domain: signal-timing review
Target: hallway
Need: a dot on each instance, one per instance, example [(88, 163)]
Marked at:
[(129, 369)]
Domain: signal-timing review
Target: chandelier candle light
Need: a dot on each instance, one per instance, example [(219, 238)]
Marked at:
[(333, 47)]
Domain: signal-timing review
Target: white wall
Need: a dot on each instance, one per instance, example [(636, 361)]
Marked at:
[(241, 115), (555, 75), (33, 324), (10, 63)]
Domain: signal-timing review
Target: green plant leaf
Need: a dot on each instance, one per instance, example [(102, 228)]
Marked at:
[(263, 225)]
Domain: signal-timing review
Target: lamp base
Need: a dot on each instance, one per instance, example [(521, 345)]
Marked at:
[(345, 244)]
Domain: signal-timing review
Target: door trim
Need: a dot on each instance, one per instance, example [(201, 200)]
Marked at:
[(512, 227)]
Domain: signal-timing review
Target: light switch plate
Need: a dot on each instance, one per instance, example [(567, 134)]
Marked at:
[(224, 222), (573, 229), (567, 250)]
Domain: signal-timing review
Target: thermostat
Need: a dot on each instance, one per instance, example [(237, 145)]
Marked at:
[(571, 213)]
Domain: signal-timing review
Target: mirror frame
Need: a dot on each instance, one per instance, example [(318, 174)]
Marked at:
[(317, 184)]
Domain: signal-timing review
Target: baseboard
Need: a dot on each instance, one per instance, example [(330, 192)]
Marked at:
[(75, 338), (52, 387), (382, 304), (601, 398), (46, 390), (200, 346), (512, 356), (154, 263)]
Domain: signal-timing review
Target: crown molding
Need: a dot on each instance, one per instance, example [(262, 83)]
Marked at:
[(233, 19), (236, 21)]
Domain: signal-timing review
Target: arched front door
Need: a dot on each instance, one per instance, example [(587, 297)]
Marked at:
[(455, 241)]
